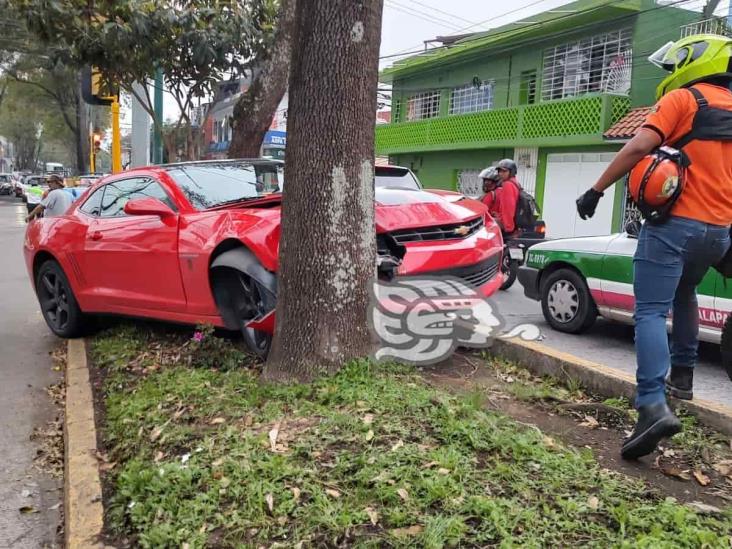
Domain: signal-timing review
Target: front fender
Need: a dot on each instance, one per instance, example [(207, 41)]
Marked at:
[(224, 287)]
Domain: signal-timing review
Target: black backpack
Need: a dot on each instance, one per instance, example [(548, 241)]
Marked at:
[(527, 210)]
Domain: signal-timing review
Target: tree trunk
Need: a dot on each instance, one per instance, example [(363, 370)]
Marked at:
[(253, 112), (327, 251)]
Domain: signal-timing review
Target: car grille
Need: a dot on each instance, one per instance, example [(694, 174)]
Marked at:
[(439, 232), (475, 275)]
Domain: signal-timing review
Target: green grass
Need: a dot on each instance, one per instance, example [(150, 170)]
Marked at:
[(373, 444)]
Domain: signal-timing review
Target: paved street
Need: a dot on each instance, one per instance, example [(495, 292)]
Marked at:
[(26, 371), (611, 344)]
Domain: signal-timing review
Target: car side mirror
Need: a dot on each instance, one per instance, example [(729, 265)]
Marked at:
[(633, 228), (148, 206)]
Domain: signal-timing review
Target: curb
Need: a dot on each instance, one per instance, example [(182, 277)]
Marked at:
[(82, 487), (600, 379)]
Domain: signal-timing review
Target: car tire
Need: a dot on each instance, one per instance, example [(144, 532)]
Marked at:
[(509, 268), (58, 303), (246, 299), (726, 346), (566, 302)]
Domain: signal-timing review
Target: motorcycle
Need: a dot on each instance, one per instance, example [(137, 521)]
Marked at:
[(514, 252)]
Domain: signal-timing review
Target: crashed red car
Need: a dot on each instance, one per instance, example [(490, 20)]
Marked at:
[(198, 243)]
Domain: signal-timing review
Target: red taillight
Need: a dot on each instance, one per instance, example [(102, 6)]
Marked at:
[(540, 228)]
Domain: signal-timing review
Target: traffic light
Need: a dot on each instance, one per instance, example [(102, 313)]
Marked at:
[(92, 90), (96, 142)]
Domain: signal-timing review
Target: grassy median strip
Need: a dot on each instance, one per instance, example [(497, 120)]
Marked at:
[(373, 457)]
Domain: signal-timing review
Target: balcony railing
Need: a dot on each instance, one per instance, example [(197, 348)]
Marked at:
[(713, 25), (564, 122)]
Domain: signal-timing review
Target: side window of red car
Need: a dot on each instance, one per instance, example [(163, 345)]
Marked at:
[(93, 204), (118, 193)]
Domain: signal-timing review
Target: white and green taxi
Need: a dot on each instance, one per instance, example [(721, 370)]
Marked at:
[(577, 279)]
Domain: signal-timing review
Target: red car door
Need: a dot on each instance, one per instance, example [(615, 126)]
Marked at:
[(131, 262)]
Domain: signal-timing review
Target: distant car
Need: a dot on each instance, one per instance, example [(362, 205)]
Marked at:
[(6, 184), (87, 180), (577, 279), (198, 243)]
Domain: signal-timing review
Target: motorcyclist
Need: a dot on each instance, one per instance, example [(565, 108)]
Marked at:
[(508, 196), (693, 112), (490, 179)]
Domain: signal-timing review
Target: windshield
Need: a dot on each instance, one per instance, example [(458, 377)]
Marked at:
[(658, 57), (210, 185), (393, 177)]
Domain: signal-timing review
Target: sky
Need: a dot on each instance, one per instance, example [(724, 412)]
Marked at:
[(408, 23)]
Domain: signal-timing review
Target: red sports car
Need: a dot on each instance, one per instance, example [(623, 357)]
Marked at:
[(198, 242)]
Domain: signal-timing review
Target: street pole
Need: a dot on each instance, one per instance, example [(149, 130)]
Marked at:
[(158, 108), (92, 154), (140, 155), (116, 137)]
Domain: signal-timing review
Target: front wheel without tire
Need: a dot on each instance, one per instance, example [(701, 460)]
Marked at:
[(566, 302), (726, 346), (58, 304)]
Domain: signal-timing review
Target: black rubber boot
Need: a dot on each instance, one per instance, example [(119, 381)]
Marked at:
[(680, 382), (655, 422)]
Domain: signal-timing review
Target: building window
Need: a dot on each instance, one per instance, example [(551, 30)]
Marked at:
[(471, 98), (423, 105), (527, 88), (599, 63)]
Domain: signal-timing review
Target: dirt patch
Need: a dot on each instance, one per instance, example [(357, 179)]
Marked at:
[(590, 425)]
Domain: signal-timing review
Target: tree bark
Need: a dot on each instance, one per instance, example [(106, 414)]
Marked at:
[(327, 255), (253, 112)]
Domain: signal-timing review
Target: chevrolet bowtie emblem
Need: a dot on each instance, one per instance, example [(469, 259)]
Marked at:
[(462, 230)]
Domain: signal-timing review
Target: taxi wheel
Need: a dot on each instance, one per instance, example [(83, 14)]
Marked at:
[(58, 303), (726, 346), (566, 302)]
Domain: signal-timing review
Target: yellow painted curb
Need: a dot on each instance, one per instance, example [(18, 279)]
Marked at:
[(82, 487), (600, 379)]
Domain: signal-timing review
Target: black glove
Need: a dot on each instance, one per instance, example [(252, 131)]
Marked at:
[(587, 203)]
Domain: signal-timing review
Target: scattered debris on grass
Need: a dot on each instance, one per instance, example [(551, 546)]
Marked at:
[(371, 457)]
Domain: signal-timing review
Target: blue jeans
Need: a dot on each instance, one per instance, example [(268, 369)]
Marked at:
[(670, 261)]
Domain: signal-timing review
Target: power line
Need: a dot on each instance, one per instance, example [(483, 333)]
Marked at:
[(410, 11), (427, 6), (539, 24), (459, 31)]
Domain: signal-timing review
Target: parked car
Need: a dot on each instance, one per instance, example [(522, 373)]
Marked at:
[(198, 243), (6, 183), (577, 279)]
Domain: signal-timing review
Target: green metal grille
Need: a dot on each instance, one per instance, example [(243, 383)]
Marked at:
[(620, 107), (554, 123), (563, 118)]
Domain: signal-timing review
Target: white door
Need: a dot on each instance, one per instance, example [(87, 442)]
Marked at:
[(470, 184), (567, 176)]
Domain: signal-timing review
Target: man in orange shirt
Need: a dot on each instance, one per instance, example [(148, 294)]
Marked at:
[(694, 114)]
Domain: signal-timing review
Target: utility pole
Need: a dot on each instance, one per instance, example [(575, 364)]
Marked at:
[(158, 108), (140, 155)]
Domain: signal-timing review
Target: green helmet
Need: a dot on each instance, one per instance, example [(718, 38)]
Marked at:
[(693, 59)]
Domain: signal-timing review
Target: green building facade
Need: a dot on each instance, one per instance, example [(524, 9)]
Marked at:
[(543, 91)]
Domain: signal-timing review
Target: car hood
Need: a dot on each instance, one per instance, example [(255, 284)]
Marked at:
[(588, 244), (406, 208)]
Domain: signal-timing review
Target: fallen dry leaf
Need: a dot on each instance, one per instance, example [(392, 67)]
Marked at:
[(672, 471), (107, 466), (669, 453), (185, 546), (410, 531), (159, 456), (27, 509), (296, 494), (701, 478), (248, 420), (368, 419), (333, 493), (273, 436), (549, 442), (370, 435), (269, 498), (590, 422), (156, 434), (373, 515), (593, 503), (403, 494), (217, 421), (399, 443), (443, 471), (724, 468), (217, 463), (430, 464)]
